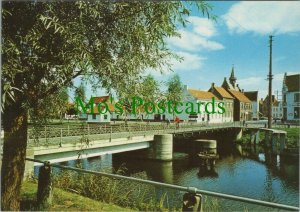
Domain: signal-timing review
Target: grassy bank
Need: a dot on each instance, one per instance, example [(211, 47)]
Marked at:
[(96, 193), (64, 201), (293, 137)]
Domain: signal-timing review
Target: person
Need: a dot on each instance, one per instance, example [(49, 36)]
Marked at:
[(168, 122), (177, 120)]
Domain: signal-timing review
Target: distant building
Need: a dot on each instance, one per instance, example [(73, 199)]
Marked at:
[(242, 105), (291, 97), (277, 111), (228, 100), (104, 114), (198, 99), (276, 107), (253, 97)]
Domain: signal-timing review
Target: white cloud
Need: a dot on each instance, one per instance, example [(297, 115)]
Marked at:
[(190, 41), (276, 17), (198, 37), (190, 62), (203, 26), (260, 84)]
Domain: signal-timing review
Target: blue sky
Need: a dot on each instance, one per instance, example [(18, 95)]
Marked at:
[(240, 37)]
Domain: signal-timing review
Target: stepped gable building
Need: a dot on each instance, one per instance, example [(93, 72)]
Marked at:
[(242, 104), (228, 100), (291, 97)]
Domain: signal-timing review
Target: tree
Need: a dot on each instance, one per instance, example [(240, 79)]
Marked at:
[(45, 45), (175, 89), (80, 92)]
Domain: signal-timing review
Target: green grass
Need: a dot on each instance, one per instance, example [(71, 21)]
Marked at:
[(293, 136), (64, 201)]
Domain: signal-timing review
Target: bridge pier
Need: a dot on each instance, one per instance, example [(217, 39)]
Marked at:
[(161, 148), (275, 138)]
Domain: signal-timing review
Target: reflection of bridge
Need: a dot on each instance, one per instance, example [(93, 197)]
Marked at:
[(62, 144)]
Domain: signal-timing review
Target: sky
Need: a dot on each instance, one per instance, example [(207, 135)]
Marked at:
[(239, 38)]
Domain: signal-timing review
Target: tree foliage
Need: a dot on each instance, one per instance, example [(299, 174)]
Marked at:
[(80, 91), (45, 45), (175, 88)]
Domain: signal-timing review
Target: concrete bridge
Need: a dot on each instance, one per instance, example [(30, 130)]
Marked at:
[(63, 144)]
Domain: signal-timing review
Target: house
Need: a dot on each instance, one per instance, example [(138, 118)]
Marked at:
[(228, 100), (253, 97), (202, 103), (277, 112), (291, 98), (242, 105), (275, 106), (102, 110)]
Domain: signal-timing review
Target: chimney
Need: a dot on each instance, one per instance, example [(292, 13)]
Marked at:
[(212, 84), (185, 87), (242, 90)]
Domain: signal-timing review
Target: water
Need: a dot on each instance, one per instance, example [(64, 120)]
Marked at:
[(237, 172)]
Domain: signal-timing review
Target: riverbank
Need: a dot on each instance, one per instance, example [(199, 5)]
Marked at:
[(64, 201), (293, 137)]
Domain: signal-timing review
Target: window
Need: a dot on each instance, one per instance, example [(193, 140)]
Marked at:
[(297, 97), (296, 112), (105, 117), (94, 116)]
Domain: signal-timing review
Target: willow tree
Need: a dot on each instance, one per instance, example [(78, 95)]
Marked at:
[(45, 45)]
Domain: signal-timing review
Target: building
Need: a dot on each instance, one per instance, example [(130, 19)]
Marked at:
[(242, 105), (291, 98), (202, 103), (277, 111), (276, 107), (253, 97), (228, 100), (104, 114)]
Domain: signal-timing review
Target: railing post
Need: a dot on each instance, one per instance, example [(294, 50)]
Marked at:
[(60, 144), (192, 202), (44, 193), (110, 132)]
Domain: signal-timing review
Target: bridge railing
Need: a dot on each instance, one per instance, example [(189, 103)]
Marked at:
[(44, 193), (47, 132)]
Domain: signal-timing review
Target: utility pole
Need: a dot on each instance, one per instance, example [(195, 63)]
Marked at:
[(270, 77)]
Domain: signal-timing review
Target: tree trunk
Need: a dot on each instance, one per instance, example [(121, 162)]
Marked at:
[(14, 153)]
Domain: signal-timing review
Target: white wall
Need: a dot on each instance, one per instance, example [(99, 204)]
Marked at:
[(100, 118), (255, 109), (290, 104)]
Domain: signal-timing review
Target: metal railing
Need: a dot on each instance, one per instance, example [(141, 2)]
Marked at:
[(191, 190), (90, 129)]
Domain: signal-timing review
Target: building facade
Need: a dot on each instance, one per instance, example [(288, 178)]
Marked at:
[(291, 98), (242, 105), (228, 100), (253, 97)]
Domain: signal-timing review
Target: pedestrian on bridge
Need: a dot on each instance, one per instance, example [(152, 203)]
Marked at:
[(177, 121)]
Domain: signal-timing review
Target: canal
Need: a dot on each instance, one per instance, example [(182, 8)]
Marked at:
[(239, 171)]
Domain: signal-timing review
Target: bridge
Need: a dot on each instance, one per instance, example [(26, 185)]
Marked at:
[(57, 144)]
